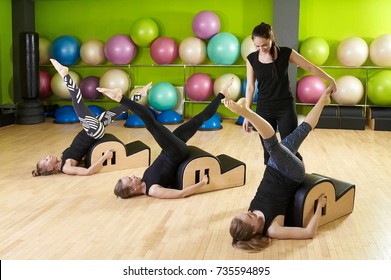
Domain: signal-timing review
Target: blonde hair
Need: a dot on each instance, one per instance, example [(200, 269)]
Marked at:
[(42, 171)]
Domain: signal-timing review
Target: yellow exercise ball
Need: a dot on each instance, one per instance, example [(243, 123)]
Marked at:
[(58, 86), (115, 78), (44, 51), (143, 100), (235, 89), (92, 52), (247, 47), (192, 50)]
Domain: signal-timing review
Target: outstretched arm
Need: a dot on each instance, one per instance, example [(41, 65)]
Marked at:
[(70, 169), (162, 192)]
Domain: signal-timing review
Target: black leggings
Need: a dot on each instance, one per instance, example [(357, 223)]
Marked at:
[(173, 143), (93, 126)]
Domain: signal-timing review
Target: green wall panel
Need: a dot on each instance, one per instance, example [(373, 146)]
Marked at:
[(6, 92)]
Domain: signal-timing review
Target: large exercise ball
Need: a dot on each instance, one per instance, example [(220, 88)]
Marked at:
[(350, 90), (199, 87), (192, 50), (223, 48), (315, 49), (120, 49), (92, 52), (244, 85), (379, 88), (115, 78), (163, 96), (143, 100), (310, 88), (247, 47), (66, 50), (88, 87), (58, 86), (205, 24), (234, 90), (352, 51), (380, 50), (164, 50), (45, 89), (44, 51), (143, 31)]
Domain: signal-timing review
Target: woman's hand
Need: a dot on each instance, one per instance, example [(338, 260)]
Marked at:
[(322, 200), (108, 154)]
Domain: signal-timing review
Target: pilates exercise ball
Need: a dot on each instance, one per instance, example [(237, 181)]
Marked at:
[(134, 121), (143, 100), (214, 123), (163, 96), (58, 86), (199, 87), (206, 24), (310, 88), (115, 78), (350, 90), (380, 50), (95, 109), (92, 52), (143, 31), (300, 119), (235, 88), (169, 117), (247, 47), (88, 87), (164, 50), (120, 49), (45, 79), (379, 88), (352, 51), (244, 85), (44, 51), (66, 50), (223, 48), (315, 49), (192, 50)]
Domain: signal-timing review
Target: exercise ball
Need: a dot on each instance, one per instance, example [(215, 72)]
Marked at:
[(58, 86), (169, 117), (95, 110), (310, 88), (66, 50), (92, 52), (120, 49), (143, 100), (88, 87), (163, 96), (45, 79), (134, 121), (192, 50), (234, 90), (244, 85), (44, 51), (199, 87), (205, 24), (223, 48), (300, 119), (247, 47), (214, 123), (379, 88), (115, 78), (315, 49), (65, 114), (380, 50), (352, 51), (143, 31), (350, 90), (164, 50)]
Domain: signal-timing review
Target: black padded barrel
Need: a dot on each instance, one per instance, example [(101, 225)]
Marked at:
[(29, 64)]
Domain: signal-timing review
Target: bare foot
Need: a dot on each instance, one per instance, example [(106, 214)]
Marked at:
[(61, 69), (236, 107), (113, 93), (227, 85), (144, 90)]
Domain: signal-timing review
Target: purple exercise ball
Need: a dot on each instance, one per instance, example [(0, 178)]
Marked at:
[(88, 87), (206, 24), (120, 49)]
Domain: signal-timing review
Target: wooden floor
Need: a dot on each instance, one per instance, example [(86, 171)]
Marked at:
[(68, 217)]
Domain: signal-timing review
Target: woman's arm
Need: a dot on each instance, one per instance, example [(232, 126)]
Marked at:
[(162, 192), (250, 89), (71, 169), (278, 231)]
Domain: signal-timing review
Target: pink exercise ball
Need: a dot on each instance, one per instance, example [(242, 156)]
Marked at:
[(199, 87), (350, 90), (115, 78), (88, 87), (164, 50), (44, 51), (310, 88), (352, 51), (120, 49), (205, 24), (234, 90), (45, 89), (92, 52), (247, 47), (192, 50), (380, 50), (58, 86)]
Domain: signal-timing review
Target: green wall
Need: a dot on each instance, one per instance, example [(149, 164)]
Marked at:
[(6, 92)]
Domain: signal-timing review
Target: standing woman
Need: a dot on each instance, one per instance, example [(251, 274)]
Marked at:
[(269, 66)]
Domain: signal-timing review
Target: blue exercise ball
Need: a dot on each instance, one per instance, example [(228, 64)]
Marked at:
[(62, 109), (169, 117), (223, 48), (66, 50), (244, 85), (66, 116), (134, 121), (96, 110), (214, 123), (163, 96)]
